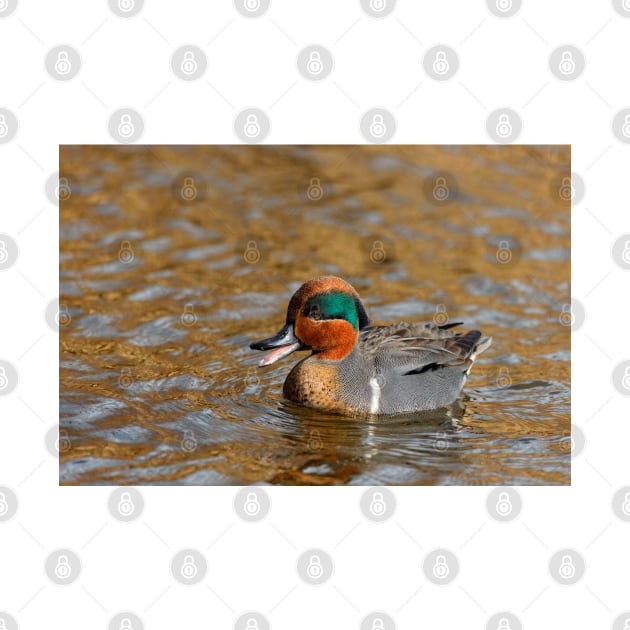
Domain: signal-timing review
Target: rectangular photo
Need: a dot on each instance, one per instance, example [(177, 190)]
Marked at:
[(315, 315)]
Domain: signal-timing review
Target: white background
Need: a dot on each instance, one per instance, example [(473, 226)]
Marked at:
[(251, 62)]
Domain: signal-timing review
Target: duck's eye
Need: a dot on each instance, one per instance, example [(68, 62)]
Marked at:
[(314, 312)]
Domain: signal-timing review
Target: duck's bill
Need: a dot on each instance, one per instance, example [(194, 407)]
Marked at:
[(282, 344), (278, 353)]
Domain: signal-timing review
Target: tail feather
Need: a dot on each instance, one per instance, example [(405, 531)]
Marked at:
[(464, 345)]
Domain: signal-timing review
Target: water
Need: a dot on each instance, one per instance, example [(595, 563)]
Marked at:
[(173, 259)]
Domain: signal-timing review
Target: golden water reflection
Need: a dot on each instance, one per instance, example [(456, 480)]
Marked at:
[(173, 259)]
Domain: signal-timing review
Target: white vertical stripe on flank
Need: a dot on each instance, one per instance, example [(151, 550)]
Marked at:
[(376, 395)]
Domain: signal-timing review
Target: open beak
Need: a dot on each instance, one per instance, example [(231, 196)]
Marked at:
[(281, 344)]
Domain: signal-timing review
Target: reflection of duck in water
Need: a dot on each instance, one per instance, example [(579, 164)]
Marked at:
[(356, 368)]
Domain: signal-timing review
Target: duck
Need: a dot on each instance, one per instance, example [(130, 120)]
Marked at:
[(356, 368)]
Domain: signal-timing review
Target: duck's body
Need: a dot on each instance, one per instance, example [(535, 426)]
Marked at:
[(356, 368)]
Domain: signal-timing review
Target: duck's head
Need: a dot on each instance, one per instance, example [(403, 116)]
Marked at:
[(324, 315)]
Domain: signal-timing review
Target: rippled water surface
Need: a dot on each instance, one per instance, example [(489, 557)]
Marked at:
[(173, 259)]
